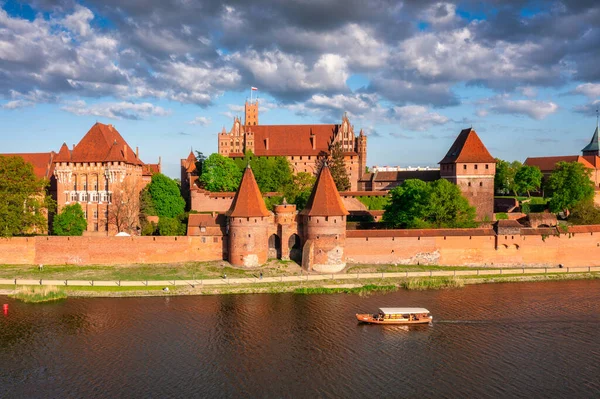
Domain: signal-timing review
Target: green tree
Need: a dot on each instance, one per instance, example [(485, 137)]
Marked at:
[(24, 202), (528, 178), (200, 158), (417, 204), (298, 190), (337, 166), (569, 184), (220, 173), (165, 196), (504, 180), (168, 226), (272, 174), (585, 212), (70, 221)]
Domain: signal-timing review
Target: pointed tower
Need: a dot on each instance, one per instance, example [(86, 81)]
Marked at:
[(362, 154), (324, 221), (249, 222), (593, 148), (470, 166)]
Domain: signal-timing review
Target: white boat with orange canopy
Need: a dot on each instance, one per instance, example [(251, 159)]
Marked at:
[(397, 316)]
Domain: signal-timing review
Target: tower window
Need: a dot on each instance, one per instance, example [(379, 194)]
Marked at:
[(480, 184), (465, 167), (469, 184), (475, 167), (487, 166)]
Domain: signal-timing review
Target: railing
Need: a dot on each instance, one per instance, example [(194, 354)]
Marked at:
[(306, 277)]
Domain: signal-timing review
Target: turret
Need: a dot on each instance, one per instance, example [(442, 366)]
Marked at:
[(324, 221), (249, 221)]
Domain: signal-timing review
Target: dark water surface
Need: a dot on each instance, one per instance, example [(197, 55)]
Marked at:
[(534, 340)]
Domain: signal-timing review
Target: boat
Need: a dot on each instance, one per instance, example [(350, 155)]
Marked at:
[(397, 316)]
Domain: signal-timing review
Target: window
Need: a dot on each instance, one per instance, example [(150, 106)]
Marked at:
[(480, 184), (95, 226), (487, 166), (469, 184), (465, 167), (95, 213), (73, 197), (475, 167), (84, 214)]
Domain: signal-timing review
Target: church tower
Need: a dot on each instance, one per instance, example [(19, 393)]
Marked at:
[(362, 153), (251, 113), (249, 222), (324, 221)]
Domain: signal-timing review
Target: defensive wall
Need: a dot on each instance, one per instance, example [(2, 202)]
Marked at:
[(577, 247)]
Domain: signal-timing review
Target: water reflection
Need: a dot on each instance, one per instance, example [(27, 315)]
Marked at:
[(502, 340)]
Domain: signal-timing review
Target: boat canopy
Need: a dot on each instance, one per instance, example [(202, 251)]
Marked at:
[(403, 310)]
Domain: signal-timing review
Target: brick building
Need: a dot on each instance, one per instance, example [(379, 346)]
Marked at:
[(300, 144), (90, 173)]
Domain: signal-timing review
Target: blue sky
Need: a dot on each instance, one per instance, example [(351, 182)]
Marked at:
[(170, 74)]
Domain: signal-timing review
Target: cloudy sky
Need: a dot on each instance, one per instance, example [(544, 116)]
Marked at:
[(170, 74)]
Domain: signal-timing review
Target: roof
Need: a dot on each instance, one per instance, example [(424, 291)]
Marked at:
[(287, 140), (150, 169), (103, 143), (425, 175), (205, 219), (402, 310), (64, 155), (594, 144), (468, 148), (43, 166), (324, 199), (547, 164), (248, 201)]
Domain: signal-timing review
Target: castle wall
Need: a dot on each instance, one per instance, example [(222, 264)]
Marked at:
[(248, 241), (327, 235), (110, 250)]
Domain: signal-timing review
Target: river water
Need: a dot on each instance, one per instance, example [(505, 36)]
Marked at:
[(533, 340)]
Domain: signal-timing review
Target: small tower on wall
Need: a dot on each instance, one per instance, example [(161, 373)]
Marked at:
[(470, 166), (251, 113), (593, 148), (362, 153), (249, 222), (324, 222)]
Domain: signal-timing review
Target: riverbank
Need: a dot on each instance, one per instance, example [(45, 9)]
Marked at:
[(360, 285)]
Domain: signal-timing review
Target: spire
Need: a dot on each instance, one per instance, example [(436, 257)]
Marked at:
[(325, 199), (468, 148), (248, 201), (593, 148)]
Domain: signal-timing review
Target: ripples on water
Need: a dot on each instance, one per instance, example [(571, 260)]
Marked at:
[(501, 340)]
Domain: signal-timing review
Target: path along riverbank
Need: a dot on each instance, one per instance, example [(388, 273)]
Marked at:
[(260, 284)]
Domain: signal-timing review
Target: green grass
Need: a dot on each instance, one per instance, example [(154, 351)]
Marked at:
[(401, 268), (501, 216), (420, 284), (365, 289), (39, 294)]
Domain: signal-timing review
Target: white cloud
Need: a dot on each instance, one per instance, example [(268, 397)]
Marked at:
[(200, 120), (591, 90), (532, 108), (121, 110), (79, 21), (440, 14), (15, 104), (417, 117)]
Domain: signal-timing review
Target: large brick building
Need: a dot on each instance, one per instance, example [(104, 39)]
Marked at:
[(92, 172), (300, 144)]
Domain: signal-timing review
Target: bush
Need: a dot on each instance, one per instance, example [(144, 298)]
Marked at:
[(375, 203), (171, 227), (70, 221)]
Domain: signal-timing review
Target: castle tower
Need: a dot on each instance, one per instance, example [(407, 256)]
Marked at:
[(362, 153), (249, 222), (324, 220), (251, 113), (593, 148), (469, 165), (287, 229)]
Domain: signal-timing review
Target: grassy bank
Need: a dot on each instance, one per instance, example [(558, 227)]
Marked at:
[(365, 289), (432, 283), (39, 294)]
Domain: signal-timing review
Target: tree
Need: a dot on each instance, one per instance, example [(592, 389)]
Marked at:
[(165, 196), (24, 202), (299, 189), (417, 204), (504, 180), (528, 178), (168, 226), (220, 173), (337, 166), (124, 210), (569, 184), (272, 174), (200, 158), (70, 221), (585, 212)]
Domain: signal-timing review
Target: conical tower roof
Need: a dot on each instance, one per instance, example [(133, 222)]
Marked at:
[(468, 148), (248, 201), (594, 145), (325, 199), (64, 155)]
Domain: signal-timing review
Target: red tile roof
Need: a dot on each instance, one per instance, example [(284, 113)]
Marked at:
[(248, 201), (150, 169), (103, 143), (287, 140), (468, 148), (324, 199), (547, 164), (43, 166), (64, 155)]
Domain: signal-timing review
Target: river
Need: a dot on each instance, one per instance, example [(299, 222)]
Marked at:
[(530, 340)]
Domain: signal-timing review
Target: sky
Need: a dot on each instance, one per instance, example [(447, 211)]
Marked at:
[(170, 74)]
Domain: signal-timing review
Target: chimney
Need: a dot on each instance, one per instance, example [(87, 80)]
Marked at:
[(137, 152), (313, 141), (73, 146), (267, 143), (125, 151), (159, 160)]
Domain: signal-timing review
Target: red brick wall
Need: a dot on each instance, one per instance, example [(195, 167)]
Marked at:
[(248, 241)]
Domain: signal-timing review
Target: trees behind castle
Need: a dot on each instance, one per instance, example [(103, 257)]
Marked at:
[(569, 183), (162, 198), (516, 178), (335, 161), (70, 221), (24, 202), (419, 204)]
